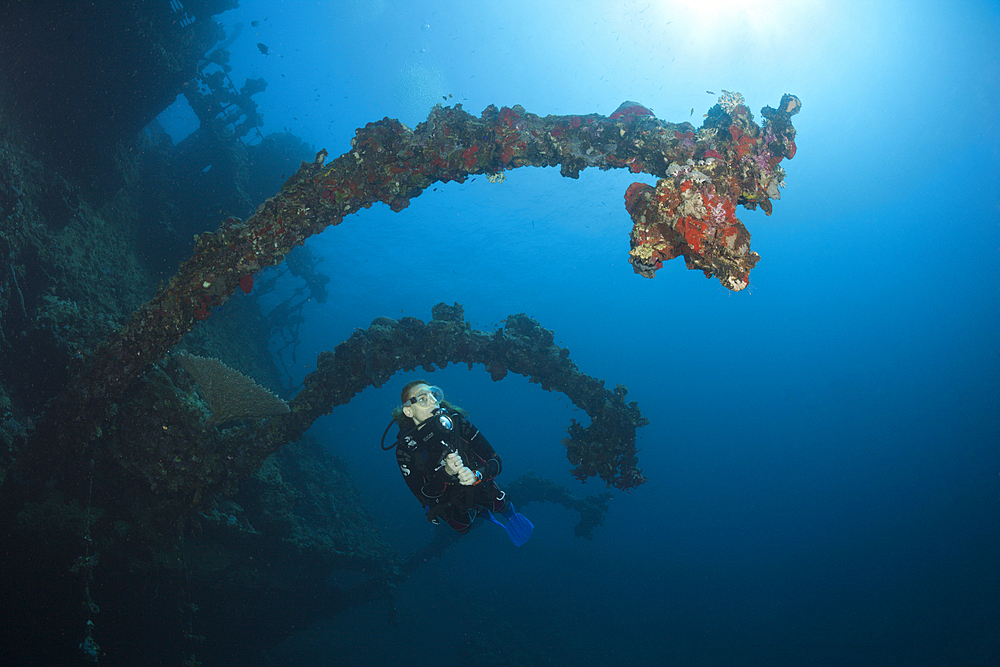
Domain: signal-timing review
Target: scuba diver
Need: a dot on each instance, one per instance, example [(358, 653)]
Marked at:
[(448, 464)]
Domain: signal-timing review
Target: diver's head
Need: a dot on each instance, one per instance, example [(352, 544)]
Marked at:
[(420, 400)]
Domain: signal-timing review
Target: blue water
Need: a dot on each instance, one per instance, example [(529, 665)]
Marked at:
[(822, 453)]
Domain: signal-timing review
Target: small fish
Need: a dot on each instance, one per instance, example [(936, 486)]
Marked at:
[(692, 111), (255, 23), (710, 92), (263, 48)]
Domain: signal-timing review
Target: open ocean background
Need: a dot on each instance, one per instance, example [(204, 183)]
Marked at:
[(823, 452)]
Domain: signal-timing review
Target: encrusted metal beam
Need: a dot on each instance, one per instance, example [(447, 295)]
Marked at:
[(705, 174)]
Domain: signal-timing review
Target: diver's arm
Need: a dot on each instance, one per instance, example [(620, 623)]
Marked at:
[(482, 448)]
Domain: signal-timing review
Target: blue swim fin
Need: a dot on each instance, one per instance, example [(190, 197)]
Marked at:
[(518, 527)]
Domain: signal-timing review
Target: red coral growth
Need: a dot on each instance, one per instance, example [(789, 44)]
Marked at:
[(507, 154), (745, 145), (630, 109), (693, 231), (720, 209), (745, 142), (633, 193), (509, 117), (203, 307), (509, 133), (246, 283), (469, 157), (693, 220)]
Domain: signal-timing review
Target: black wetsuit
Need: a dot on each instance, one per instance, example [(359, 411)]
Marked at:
[(421, 460)]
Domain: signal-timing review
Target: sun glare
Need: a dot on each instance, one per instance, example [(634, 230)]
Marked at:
[(719, 21)]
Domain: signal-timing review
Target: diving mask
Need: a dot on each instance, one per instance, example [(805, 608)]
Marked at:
[(427, 397)]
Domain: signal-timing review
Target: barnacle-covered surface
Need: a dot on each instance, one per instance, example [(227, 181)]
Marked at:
[(391, 163), (605, 448), (120, 469), (159, 529), (113, 491), (692, 211), (244, 569), (160, 435)]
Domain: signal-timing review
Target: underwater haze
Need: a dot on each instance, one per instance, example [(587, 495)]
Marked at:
[(822, 449)]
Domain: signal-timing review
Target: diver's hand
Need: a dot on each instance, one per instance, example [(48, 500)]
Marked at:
[(467, 478), (453, 464)]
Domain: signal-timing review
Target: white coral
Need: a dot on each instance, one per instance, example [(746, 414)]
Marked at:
[(706, 133), (692, 205), (688, 172), (729, 101), (736, 284)]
